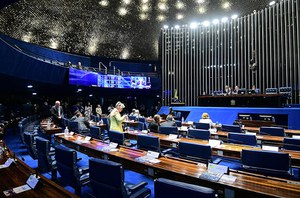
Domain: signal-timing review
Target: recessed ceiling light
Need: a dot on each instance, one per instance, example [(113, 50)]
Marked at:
[(29, 86)]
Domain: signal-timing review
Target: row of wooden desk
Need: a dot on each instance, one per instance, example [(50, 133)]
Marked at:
[(17, 174), (245, 185)]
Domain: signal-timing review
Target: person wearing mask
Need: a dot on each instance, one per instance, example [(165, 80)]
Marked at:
[(116, 119), (154, 126), (98, 110)]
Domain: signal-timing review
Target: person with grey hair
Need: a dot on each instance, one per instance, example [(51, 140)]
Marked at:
[(116, 119), (57, 113), (169, 121)]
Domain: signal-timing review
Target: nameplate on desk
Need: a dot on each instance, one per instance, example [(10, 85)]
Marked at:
[(113, 145), (87, 138), (32, 181), (216, 168), (183, 128), (172, 137), (270, 148), (144, 131), (213, 131), (296, 136), (214, 143), (153, 154), (7, 163), (250, 133)]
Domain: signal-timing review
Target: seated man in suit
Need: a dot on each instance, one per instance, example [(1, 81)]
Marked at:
[(169, 121), (153, 126), (83, 122), (57, 113)]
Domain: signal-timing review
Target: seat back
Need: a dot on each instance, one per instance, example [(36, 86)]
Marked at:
[(192, 151), (116, 137), (95, 132), (106, 121), (74, 126), (132, 117), (266, 161), (231, 128), (199, 134), (271, 90), (240, 138), (66, 160), (291, 144), (178, 123), (199, 125), (44, 159), (151, 143), (168, 130), (29, 143), (142, 119), (274, 131), (106, 178), (169, 188)]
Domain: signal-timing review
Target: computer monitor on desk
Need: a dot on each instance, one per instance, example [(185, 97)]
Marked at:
[(242, 91)]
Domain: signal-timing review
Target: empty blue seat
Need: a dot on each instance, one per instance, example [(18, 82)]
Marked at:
[(66, 160), (266, 162), (132, 117), (169, 188), (196, 152), (30, 144), (274, 131), (291, 144), (107, 180), (146, 142), (116, 137), (74, 126), (178, 123), (199, 134), (231, 128), (95, 132), (240, 138), (168, 130), (199, 125)]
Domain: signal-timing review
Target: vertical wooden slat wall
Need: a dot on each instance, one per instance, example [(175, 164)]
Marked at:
[(204, 59)]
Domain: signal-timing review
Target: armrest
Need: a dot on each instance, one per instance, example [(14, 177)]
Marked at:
[(84, 170), (78, 159), (137, 186)]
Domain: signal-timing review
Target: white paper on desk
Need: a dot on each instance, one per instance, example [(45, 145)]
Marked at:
[(172, 137), (183, 128), (32, 181), (7, 163), (296, 136), (250, 133), (87, 138), (270, 148), (113, 145), (154, 161), (228, 179), (20, 189), (190, 122), (214, 143), (213, 131), (153, 154)]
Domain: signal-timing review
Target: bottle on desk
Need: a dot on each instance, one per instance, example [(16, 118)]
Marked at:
[(66, 131), (182, 119), (48, 124)]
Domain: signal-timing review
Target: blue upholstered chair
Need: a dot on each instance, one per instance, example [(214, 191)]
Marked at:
[(66, 161), (116, 137), (74, 126), (178, 123), (29, 140), (107, 180), (199, 134), (231, 128), (46, 160), (195, 152), (168, 130), (240, 138), (199, 125), (274, 131), (169, 188), (132, 117), (267, 162), (146, 142), (291, 144), (95, 132)]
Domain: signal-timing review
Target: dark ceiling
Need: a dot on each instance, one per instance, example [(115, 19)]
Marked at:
[(126, 29)]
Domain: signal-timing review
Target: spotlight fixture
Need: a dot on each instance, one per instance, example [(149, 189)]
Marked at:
[(215, 21), (29, 86), (206, 23), (166, 27), (177, 26), (272, 3), (34, 94), (224, 19), (193, 25), (234, 16)]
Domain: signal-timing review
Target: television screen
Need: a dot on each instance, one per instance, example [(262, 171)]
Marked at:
[(88, 78)]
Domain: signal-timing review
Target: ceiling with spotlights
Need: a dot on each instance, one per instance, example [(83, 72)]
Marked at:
[(126, 29)]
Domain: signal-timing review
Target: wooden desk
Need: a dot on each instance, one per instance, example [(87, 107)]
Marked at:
[(17, 174), (288, 132), (183, 170), (52, 130), (257, 123)]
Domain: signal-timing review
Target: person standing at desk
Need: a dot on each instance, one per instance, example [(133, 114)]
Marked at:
[(57, 113), (153, 126), (205, 119), (116, 119)]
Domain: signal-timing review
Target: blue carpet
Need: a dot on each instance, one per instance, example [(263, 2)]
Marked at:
[(14, 143)]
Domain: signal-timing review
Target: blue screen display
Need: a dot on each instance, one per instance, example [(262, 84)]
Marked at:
[(88, 78)]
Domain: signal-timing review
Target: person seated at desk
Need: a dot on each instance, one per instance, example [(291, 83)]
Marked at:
[(205, 119), (169, 121), (137, 113), (57, 113), (153, 126), (83, 122), (236, 90), (227, 90), (132, 112), (116, 119), (254, 89)]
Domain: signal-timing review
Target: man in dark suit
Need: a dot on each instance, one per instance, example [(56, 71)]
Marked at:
[(57, 113), (169, 121)]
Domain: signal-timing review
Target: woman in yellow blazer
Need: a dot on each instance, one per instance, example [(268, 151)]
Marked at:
[(116, 119)]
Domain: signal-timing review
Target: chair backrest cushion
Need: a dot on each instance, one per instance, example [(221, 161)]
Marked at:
[(274, 131), (148, 143), (239, 138)]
